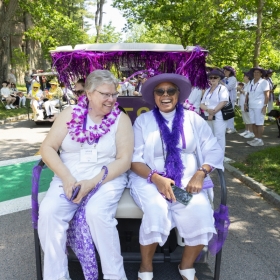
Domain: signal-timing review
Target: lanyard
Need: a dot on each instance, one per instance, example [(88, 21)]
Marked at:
[(255, 87)]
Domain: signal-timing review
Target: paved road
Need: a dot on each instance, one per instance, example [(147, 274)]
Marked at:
[(21, 139), (251, 251)]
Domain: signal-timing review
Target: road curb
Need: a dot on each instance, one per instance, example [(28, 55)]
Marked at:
[(14, 119), (259, 188)]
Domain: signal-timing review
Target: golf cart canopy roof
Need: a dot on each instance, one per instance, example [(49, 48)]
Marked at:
[(110, 47), (129, 60)]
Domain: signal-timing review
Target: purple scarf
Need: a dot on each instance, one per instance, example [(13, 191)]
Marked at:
[(173, 164)]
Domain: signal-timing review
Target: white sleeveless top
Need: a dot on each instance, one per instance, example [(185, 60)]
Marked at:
[(106, 153)]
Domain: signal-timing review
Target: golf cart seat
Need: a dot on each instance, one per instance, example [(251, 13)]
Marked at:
[(129, 217)]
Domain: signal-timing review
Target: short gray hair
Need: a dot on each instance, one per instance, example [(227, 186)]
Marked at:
[(100, 77)]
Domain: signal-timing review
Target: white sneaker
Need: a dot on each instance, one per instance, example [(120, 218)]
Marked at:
[(7, 107), (230, 131), (12, 106), (257, 143), (252, 141), (249, 135), (244, 133)]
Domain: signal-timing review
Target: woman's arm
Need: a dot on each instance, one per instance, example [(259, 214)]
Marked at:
[(124, 145), (50, 147)]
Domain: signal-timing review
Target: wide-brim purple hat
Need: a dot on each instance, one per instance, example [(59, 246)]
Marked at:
[(180, 81), (269, 71), (257, 68), (231, 69), (216, 72)]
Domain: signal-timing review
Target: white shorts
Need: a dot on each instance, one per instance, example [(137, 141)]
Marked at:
[(246, 117), (256, 116)]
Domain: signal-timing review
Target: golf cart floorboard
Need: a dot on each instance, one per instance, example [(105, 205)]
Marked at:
[(162, 271)]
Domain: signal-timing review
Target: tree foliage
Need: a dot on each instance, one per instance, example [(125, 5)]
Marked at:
[(219, 26)]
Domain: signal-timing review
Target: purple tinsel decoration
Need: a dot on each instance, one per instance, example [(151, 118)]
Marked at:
[(79, 236), (222, 223), (173, 164), (36, 172), (79, 63)]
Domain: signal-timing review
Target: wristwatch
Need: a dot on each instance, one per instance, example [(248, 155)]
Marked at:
[(203, 170), (264, 105)]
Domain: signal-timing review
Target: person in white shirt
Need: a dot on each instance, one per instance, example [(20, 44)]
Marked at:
[(6, 95), (194, 100), (230, 83), (127, 88), (258, 99), (214, 99), (248, 133)]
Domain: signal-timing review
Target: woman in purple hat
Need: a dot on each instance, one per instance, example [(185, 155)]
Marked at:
[(230, 83), (173, 146), (258, 96), (214, 99)]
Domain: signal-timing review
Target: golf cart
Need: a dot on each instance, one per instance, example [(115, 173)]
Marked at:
[(45, 86), (131, 60)]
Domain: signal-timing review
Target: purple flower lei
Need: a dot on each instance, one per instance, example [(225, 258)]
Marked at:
[(173, 164), (75, 126)]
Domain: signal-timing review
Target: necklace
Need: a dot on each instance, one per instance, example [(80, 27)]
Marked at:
[(173, 163), (77, 128)]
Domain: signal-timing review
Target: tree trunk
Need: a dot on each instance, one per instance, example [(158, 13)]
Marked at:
[(7, 13), (257, 50), (98, 18)]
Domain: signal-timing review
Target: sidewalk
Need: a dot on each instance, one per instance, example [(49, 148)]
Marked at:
[(237, 149)]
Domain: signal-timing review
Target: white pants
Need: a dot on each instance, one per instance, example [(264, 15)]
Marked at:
[(194, 222), (50, 106), (35, 105), (22, 100), (219, 130), (246, 117), (56, 212), (256, 116)]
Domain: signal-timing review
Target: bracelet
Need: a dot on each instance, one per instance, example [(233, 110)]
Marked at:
[(204, 170), (152, 172)]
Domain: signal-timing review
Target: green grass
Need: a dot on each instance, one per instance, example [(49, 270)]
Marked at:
[(263, 166), (4, 113)]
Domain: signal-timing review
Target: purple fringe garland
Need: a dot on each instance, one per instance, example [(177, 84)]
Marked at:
[(79, 63), (36, 172)]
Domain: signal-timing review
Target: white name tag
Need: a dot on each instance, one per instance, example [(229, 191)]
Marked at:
[(88, 155)]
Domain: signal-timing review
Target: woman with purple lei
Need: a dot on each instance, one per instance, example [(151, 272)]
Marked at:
[(173, 146), (92, 136)]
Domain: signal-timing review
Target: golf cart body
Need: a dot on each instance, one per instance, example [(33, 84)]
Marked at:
[(130, 60)]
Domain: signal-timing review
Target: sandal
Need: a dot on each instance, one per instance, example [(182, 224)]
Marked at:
[(187, 274), (145, 275)]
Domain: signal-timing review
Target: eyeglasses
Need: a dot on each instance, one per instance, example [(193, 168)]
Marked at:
[(212, 77), (169, 91), (108, 95), (78, 92)]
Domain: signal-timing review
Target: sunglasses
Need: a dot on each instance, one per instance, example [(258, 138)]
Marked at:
[(170, 91), (35, 87), (212, 77), (78, 92)]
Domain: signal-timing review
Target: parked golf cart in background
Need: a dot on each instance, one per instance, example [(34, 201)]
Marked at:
[(130, 60), (64, 102)]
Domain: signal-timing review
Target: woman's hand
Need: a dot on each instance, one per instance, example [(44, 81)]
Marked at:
[(264, 110), (196, 182), (68, 185), (86, 187), (164, 186), (211, 112)]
